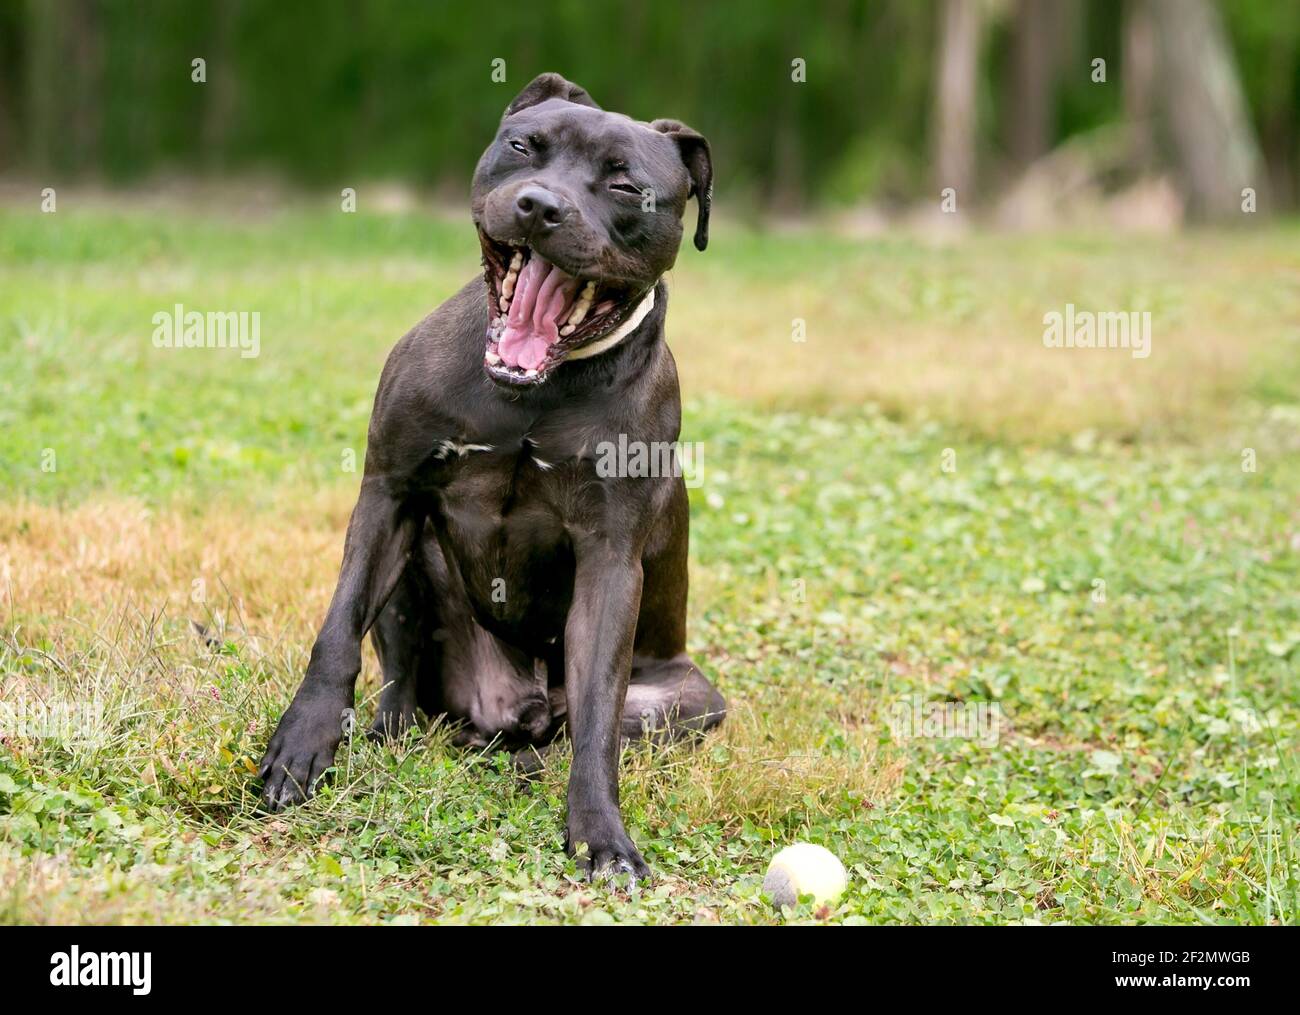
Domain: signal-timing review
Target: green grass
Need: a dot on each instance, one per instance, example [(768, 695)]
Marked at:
[(1145, 765)]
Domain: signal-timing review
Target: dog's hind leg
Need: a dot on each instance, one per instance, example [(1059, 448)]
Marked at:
[(667, 695), (668, 699)]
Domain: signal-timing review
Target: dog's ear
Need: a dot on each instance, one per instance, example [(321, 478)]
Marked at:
[(694, 150), (550, 86)]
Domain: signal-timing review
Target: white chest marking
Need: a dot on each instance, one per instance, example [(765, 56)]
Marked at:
[(446, 449)]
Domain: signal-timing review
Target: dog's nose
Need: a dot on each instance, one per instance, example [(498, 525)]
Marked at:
[(539, 210)]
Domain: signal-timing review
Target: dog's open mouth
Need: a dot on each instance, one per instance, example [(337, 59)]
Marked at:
[(540, 315)]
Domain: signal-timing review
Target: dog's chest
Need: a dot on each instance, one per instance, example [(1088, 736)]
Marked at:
[(486, 490), (507, 516)]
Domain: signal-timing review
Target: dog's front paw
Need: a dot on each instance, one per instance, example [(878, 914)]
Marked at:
[(606, 852), (301, 749)]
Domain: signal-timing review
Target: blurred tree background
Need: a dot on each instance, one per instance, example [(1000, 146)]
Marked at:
[(901, 97)]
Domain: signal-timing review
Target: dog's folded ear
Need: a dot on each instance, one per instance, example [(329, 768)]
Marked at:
[(550, 86), (694, 150)]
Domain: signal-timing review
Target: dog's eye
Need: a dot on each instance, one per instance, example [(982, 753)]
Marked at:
[(520, 147)]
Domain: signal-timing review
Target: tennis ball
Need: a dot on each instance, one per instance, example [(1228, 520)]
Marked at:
[(804, 869)]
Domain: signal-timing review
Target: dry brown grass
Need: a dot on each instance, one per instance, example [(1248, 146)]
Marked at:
[(87, 561)]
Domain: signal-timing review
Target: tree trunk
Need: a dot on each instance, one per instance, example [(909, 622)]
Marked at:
[(954, 97), (1036, 35), (1140, 81), (1214, 141)]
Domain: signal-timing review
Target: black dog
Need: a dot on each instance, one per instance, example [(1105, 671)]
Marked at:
[(506, 581)]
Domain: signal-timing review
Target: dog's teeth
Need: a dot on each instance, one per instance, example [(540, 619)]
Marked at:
[(493, 358), (508, 283), (504, 303), (567, 330), (530, 373), (517, 261), (580, 310), (582, 306)]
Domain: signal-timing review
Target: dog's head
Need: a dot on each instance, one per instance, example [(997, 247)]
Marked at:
[(579, 212)]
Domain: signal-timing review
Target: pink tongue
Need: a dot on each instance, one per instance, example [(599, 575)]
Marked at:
[(542, 297)]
